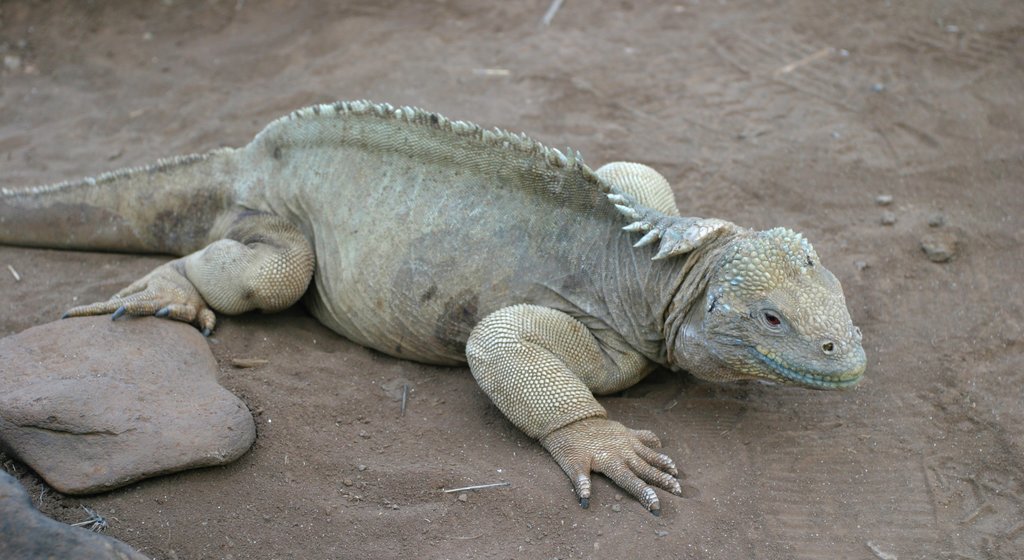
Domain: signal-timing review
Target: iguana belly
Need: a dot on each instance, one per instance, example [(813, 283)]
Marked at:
[(416, 291)]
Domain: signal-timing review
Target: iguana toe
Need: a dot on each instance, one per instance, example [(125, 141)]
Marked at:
[(660, 460)]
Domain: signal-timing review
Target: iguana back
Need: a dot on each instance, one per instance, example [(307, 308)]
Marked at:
[(421, 225)]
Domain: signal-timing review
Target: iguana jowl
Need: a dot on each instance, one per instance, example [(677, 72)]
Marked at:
[(441, 242)]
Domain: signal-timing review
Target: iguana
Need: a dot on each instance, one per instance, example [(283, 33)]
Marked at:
[(438, 241)]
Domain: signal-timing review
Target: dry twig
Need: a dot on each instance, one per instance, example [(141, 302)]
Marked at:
[(478, 487)]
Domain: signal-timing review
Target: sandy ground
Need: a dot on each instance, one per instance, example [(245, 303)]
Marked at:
[(764, 113)]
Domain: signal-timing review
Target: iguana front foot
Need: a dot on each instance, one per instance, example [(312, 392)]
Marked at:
[(164, 292), (623, 455)]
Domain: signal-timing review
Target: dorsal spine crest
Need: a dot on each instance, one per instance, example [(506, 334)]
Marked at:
[(496, 137)]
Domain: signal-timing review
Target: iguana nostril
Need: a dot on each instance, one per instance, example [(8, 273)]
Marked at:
[(828, 347)]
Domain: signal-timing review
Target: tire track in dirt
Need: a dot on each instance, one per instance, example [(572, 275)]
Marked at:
[(893, 103), (853, 505)]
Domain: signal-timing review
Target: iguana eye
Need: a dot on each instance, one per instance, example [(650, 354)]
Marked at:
[(772, 319)]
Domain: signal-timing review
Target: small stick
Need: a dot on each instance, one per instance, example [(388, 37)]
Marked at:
[(248, 362), (14, 273), (805, 60), (491, 71), (881, 554), (467, 538), (405, 396), (550, 14), (478, 487)]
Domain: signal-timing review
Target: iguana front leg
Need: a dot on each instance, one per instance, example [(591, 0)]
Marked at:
[(541, 367), (259, 261), (649, 187), (645, 197)]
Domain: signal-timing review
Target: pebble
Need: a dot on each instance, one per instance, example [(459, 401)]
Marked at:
[(12, 62), (860, 265), (27, 534), (92, 404), (888, 218), (661, 533), (616, 507), (936, 220), (463, 497), (939, 246), (884, 199)]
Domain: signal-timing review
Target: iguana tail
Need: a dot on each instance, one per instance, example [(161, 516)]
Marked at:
[(168, 208)]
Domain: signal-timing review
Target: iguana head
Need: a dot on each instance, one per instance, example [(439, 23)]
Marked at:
[(773, 312)]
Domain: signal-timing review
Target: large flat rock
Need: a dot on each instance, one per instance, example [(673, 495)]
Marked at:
[(27, 534), (93, 404)]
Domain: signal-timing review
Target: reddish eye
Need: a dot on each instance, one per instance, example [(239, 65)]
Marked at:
[(772, 319)]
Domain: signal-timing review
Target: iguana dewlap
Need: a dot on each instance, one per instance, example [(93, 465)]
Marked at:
[(438, 241)]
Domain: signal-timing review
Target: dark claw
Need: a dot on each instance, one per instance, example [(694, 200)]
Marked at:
[(120, 311), (584, 503), (162, 312), (656, 512), (207, 332)]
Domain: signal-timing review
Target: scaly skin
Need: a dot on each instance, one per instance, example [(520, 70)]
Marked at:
[(441, 242)]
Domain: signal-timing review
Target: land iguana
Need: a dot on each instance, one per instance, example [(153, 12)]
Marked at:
[(438, 241)]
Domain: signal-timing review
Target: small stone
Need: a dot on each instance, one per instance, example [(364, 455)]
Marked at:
[(618, 497), (936, 220), (363, 434), (860, 265), (939, 246), (878, 87), (147, 36), (12, 62), (888, 218), (463, 497), (27, 533), (616, 508), (661, 533), (93, 404), (347, 482), (883, 199), (362, 468)]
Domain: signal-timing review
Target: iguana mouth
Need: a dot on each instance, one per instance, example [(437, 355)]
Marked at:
[(817, 381)]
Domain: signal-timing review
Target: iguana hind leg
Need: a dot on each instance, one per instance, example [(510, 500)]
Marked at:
[(259, 261), (540, 366)]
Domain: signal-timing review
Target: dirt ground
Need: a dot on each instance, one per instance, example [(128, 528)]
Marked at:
[(764, 113)]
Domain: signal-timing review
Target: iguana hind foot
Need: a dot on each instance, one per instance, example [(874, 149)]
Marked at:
[(164, 292), (259, 261)]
